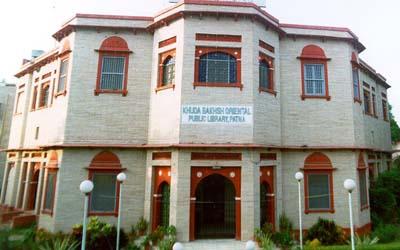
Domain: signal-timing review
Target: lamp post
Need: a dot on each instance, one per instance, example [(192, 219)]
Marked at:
[(121, 177), (299, 177), (86, 187), (350, 185)]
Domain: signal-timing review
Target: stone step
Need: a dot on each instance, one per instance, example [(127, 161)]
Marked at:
[(215, 245), (23, 220), (7, 216)]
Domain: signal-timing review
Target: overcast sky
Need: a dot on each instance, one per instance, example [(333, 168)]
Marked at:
[(27, 25)]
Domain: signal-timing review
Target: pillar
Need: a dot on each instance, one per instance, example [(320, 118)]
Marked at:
[(250, 205), (40, 188), (4, 185), (180, 194), (27, 184)]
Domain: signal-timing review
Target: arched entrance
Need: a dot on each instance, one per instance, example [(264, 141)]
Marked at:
[(164, 190), (267, 196), (215, 208), (215, 203), (161, 196), (33, 185)]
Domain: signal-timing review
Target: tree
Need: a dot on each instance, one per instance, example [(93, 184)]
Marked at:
[(394, 127)]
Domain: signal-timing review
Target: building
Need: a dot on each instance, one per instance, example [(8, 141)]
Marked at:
[(7, 92), (210, 108)]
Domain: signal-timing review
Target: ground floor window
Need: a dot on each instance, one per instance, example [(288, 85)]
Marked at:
[(50, 188), (103, 171)]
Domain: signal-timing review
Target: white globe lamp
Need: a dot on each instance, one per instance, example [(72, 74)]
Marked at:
[(177, 246), (86, 186), (299, 176), (250, 245), (121, 177), (349, 185)]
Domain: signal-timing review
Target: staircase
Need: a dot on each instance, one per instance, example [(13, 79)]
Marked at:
[(16, 218)]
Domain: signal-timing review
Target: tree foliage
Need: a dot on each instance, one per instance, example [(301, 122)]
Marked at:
[(394, 127)]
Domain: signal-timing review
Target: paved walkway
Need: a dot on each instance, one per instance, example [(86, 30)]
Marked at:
[(215, 245)]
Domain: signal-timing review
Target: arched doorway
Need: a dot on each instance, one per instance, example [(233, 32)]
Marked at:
[(215, 208), (33, 185), (164, 190), (266, 209), (267, 196)]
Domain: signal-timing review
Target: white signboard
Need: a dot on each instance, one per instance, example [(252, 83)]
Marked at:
[(212, 114)]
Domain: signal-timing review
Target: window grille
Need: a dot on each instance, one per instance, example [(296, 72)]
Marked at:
[(168, 71), (112, 72), (314, 77), (218, 67)]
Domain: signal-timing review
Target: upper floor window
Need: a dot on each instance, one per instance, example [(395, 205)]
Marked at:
[(113, 64), (44, 95), (169, 71), (62, 79), (385, 110), (314, 73), (266, 73), (367, 102), (218, 67), (19, 102), (166, 70), (374, 113), (34, 97), (356, 85), (318, 181)]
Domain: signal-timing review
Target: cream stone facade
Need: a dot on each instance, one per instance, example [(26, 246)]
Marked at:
[(180, 136)]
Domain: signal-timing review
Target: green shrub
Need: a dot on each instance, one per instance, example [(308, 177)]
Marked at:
[(141, 226), (283, 240), (285, 224), (100, 235), (57, 243), (365, 240), (387, 233), (326, 231), (385, 198), (266, 242)]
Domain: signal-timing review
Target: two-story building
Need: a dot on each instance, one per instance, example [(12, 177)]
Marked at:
[(210, 108)]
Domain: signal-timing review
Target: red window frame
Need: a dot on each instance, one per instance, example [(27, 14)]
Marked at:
[(105, 162), (161, 58), (34, 97), (318, 163), (362, 169), (270, 61), (313, 54), (113, 46), (63, 91), (385, 110), (42, 102), (366, 92), (235, 52)]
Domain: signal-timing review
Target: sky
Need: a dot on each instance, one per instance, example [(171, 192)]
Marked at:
[(27, 25)]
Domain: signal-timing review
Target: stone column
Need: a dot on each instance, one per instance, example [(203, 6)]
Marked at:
[(21, 180), (148, 188), (180, 194), (27, 184), (250, 185), (15, 181), (40, 189)]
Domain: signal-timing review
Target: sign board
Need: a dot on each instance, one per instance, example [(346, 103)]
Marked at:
[(217, 114)]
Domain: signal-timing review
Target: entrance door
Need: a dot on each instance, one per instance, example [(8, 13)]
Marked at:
[(215, 208), (267, 196), (33, 185)]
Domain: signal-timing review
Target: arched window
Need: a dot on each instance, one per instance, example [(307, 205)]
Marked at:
[(266, 73), (168, 71), (112, 72), (44, 94), (314, 73), (217, 67), (103, 171), (318, 184)]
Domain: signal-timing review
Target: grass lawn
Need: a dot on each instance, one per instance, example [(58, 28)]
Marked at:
[(379, 246)]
